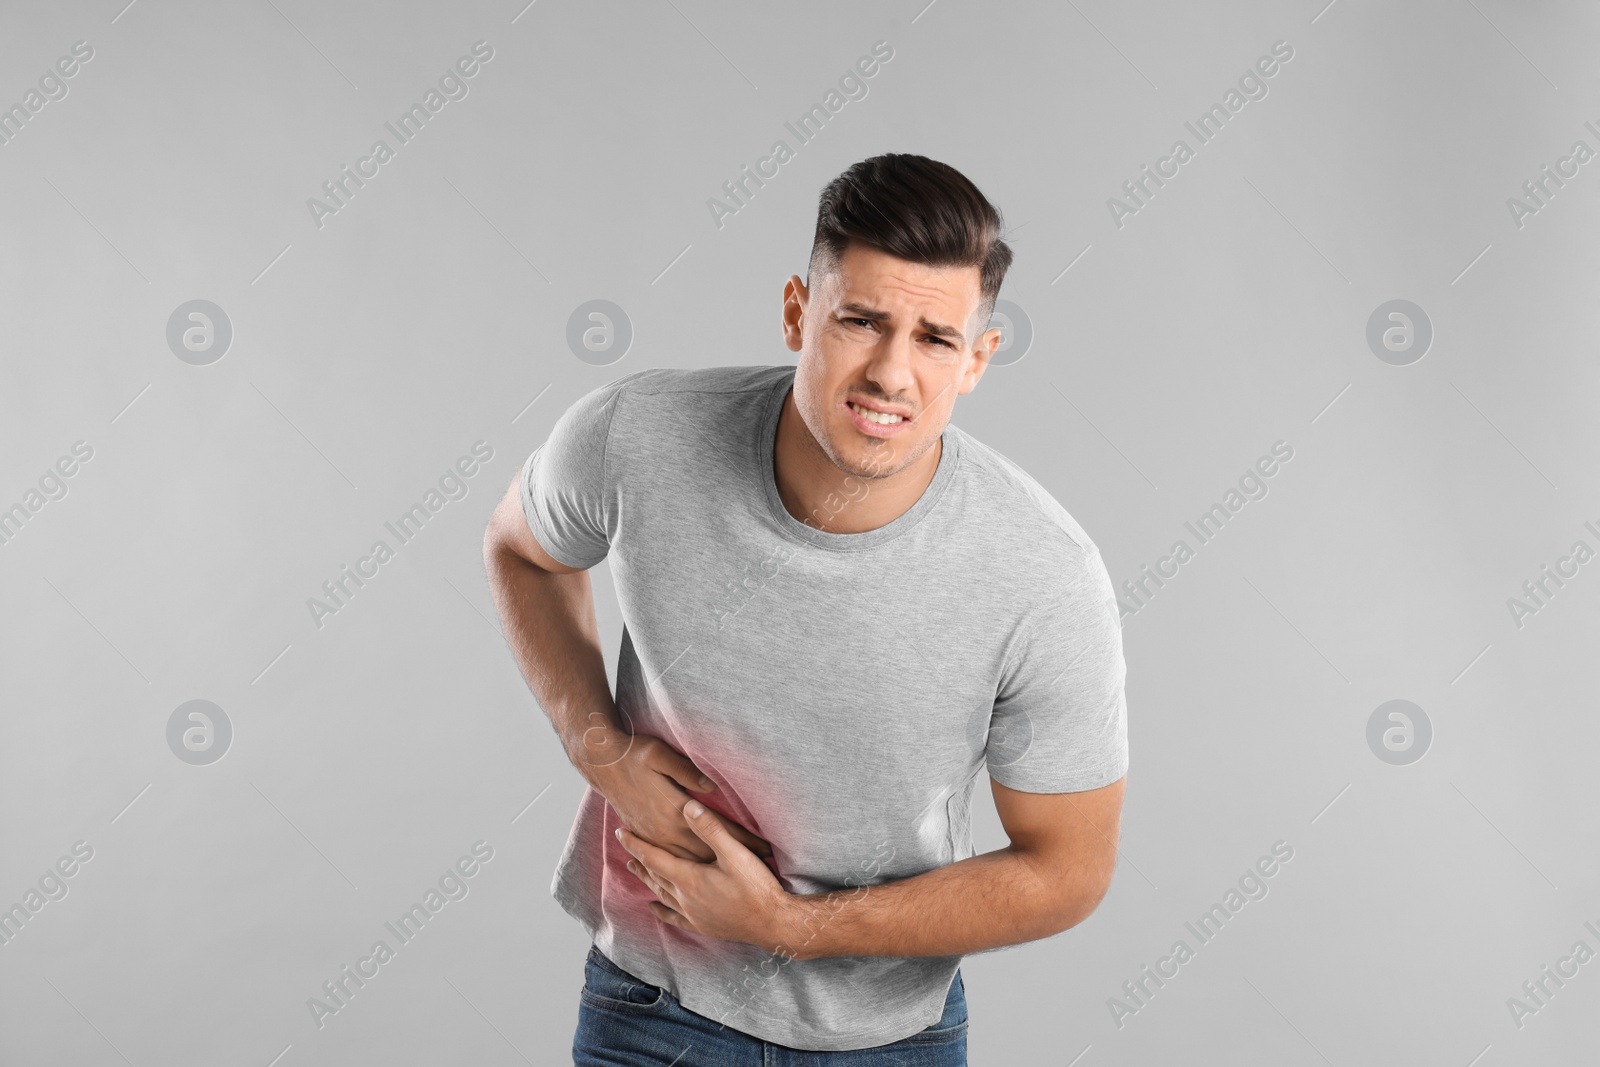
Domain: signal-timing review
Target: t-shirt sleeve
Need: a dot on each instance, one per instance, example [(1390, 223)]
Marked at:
[(1060, 715), (567, 497)]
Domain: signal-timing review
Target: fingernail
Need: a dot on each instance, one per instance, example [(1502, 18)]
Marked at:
[(693, 809), (707, 784), (619, 833)]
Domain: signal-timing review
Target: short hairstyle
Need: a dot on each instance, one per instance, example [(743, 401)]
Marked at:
[(913, 208)]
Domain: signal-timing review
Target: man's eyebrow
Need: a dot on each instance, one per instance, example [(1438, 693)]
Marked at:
[(936, 328)]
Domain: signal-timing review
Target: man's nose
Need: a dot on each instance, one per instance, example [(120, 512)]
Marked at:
[(891, 363)]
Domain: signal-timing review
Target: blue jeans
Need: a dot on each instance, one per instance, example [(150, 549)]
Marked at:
[(625, 1022)]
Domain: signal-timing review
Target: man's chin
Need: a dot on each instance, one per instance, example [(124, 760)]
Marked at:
[(869, 461)]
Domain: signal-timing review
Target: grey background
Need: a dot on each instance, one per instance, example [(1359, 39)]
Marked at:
[(370, 353)]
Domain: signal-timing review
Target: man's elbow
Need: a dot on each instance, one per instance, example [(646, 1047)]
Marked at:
[(495, 546), (1076, 895), (1085, 902), (506, 535), (494, 537)]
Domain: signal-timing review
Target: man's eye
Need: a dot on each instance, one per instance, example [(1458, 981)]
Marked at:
[(869, 323)]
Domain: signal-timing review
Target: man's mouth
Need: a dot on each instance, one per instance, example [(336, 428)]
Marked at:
[(878, 417)]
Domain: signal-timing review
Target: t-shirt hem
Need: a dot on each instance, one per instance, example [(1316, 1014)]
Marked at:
[(788, 1037), (1079, 784)]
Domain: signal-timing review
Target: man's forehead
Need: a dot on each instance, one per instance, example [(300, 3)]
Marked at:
[(887, 297), (870, 275), (943, 313)]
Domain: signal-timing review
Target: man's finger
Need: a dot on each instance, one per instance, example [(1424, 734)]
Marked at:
[(651, 878), (682, 771), (667, 915), (667, 893), (653, 856), (672, 792), (754, 843), (750, 840), (683, 852), (686, 846)]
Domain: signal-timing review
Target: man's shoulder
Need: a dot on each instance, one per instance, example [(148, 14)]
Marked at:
[(653, 414), (663, 381), (1027, 510)]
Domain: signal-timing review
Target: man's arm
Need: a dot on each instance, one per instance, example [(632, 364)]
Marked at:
[(547, 612), (1049, 878)]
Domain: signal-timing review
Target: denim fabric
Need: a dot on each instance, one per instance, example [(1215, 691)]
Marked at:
[(624, 1021)]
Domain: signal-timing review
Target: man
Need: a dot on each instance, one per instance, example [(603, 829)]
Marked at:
[(838, 609)]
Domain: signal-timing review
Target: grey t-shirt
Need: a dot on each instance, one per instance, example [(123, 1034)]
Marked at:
[(843, 690)]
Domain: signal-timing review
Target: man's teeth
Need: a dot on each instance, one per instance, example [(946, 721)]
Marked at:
[(875, 416)]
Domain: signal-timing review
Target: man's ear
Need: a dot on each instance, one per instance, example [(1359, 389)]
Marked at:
[(982, 352), (795, 299)]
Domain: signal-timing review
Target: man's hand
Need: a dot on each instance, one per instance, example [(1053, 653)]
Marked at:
[(644, 779), (735, 897)]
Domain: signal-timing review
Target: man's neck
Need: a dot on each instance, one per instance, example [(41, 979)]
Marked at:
[(821, 495)]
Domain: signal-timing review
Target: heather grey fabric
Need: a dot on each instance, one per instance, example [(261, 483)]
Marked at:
[(843, 690)]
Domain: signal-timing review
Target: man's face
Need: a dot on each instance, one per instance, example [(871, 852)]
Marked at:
[(882, 335)]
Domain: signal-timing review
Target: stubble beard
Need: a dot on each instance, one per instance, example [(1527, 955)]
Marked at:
[(877, 455)]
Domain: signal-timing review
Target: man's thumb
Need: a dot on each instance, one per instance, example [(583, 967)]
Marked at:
[(705, 824)]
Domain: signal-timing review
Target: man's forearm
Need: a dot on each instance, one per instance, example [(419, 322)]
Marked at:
[(988, 901), (550, 627)]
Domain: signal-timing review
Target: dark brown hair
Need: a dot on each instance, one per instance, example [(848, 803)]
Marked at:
[(913, 208)]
